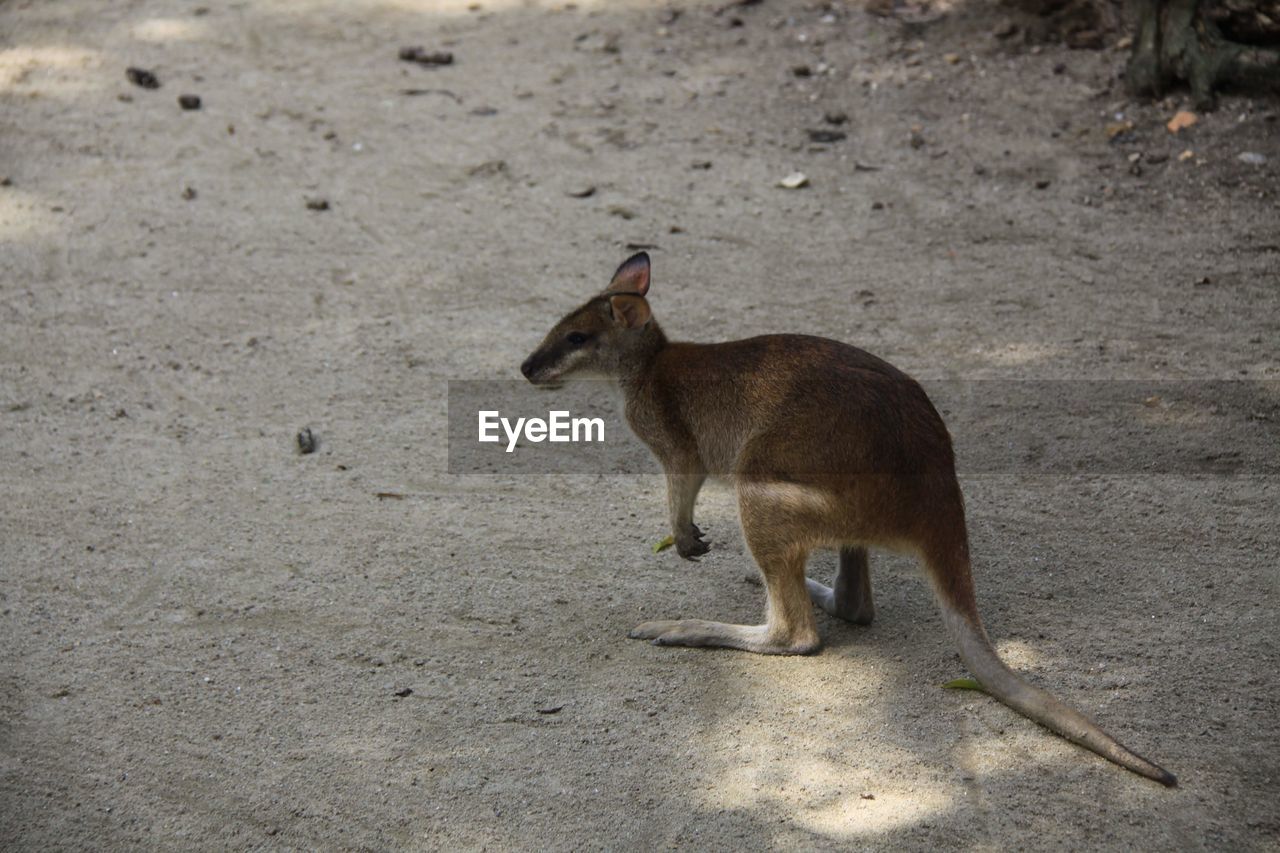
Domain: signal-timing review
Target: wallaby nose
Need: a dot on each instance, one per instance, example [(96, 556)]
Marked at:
[(527, 367)]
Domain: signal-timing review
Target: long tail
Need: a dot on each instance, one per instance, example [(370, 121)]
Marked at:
[(1036, 704)]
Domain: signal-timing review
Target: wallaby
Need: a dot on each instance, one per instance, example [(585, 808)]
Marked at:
[(828, 446)]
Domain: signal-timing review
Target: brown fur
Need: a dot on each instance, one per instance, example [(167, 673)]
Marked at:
[(829, 446)]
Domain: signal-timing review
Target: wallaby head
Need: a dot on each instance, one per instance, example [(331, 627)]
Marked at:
[(606, 336)]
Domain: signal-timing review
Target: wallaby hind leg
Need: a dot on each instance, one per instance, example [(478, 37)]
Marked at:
[(790, 627), (850, 597)]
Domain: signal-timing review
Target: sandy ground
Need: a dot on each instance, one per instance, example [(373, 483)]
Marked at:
[(205, 633)]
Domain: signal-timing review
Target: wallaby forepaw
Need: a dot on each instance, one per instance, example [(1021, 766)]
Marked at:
[(691, 545)]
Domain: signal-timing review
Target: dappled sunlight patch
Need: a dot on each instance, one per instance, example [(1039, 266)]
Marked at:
[(165, 30), (46, 70), (821, 794), (23, 215), (1018, 353), (1019, 654)]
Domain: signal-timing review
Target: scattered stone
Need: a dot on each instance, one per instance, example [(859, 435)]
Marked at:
[(189, 102), (702, 165), (1043, 184), (446, 92), (1156, 159), (484, 111), (826, 135), (916, 139), (1059, 68), (488, 169), (189, 194), (421, 56), (867, 795), (1005, 29), (143, 78), (1181, 120), (621, 212), (794, 181), (306, 441), (835, 117), (582, 192), (877, 205), (317, 204), (1253, 158), (556, 709), (404, 691), (1119, 131), (1186, 155), (801, 71), (1084, 40), (952, 58), (6, 181)]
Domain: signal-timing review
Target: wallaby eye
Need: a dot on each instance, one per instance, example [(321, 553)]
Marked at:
[(577, 339)]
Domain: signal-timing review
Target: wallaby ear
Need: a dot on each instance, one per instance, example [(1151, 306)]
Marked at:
[(630, 312), (633, 275)]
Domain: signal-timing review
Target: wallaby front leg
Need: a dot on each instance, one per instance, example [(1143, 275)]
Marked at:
[(682, 491)]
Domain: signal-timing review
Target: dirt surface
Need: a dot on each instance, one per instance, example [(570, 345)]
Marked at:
[(208, 638)]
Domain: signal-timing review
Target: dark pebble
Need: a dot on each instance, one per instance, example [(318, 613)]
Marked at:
[(189, 102), (836, 118), (306, 441), (826, 135), (425, 57), (142, 77), (317, 204), (1043, 184)]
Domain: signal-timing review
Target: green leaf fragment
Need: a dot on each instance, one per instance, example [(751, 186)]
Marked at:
[(663, 544), (963, 684)]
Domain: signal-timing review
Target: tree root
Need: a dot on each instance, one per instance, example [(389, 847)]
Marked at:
[(1177, 41)]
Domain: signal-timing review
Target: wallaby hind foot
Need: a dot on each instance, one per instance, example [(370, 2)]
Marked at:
[(849, 598), (700, 632), (790, 627)]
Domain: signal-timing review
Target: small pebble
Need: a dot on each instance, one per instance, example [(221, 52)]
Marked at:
[(189, 102), (1253, 158), (142, 77)]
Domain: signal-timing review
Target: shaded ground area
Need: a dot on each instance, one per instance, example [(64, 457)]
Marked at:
[(207, 638)]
